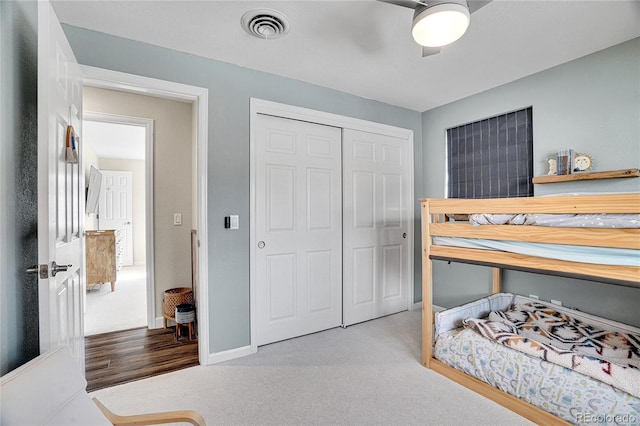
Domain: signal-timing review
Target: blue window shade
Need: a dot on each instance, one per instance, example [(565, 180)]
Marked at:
[(492, 158)]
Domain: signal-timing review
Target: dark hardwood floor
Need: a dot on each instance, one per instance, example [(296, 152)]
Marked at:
[(125, 356)]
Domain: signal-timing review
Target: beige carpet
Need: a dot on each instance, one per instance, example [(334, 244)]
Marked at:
[(122, 309), (364, 375)]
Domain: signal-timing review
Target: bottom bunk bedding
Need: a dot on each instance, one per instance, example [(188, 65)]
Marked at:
[(546, 356), (569, 395), (611, 356)]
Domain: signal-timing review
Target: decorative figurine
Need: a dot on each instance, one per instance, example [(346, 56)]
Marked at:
[(553, 166), (582, 163)]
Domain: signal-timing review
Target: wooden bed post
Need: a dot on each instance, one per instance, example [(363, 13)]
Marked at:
[(496, 275), (427, 280)]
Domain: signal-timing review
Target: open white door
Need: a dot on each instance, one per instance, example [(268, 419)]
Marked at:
[(60, 191)]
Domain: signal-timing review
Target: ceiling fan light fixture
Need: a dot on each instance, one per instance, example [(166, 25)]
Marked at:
[(439, 25)]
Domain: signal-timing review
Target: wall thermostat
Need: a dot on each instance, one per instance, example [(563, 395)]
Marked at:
[(232, 222)]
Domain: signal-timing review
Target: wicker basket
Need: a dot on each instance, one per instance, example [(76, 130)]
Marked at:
[(174, 297)]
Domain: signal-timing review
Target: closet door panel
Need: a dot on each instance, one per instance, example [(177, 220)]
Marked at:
[(281, 285), (391, 271), (280, 187), (364, 200), (376, 222), (364, 275), (391, 201), (320, 195), (298, 228), (320, 264)]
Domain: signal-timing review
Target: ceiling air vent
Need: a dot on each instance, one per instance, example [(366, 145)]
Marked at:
[(265, 23)]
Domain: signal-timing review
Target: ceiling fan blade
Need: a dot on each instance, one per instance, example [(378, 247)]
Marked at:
[(428, 51), (411, 4), (476, 4)]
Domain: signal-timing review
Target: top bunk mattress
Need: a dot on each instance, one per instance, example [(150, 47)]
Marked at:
[(559, 220), (597, 238), (584, 254)]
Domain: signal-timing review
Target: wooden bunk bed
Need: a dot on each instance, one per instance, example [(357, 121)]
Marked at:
[(436, 223)]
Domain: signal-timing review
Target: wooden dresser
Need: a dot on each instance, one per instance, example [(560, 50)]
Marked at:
[(101, 257)]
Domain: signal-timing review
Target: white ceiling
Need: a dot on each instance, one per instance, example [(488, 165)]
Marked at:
[(365, 47), (114, 140)]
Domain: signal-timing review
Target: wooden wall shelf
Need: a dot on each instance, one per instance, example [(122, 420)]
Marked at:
[(610, 174)]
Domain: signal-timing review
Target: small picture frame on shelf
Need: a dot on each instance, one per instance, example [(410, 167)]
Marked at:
[(582, 163)]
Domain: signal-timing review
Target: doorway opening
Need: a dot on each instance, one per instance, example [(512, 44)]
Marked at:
[(193, 220), (119, 149), (164, 168)]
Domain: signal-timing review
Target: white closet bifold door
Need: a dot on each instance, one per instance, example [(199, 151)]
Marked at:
[(298, 228), (376, 203)]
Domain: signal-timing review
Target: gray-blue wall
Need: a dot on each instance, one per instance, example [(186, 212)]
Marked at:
[(230, 88), (18, 185), (592, 105)]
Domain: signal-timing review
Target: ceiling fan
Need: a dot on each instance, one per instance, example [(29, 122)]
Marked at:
[(437, 23)]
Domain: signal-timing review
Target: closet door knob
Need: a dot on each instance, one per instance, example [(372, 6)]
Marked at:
[(261, 244), (404, 235)]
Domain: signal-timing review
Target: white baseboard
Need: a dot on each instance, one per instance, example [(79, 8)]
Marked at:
[(158, 323), (217, 357), (436, 308)]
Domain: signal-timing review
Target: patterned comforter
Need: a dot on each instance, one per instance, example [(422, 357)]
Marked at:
[(612, 357)]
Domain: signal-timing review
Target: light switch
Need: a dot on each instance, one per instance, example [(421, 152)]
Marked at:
[(235, 221), (177, 219)]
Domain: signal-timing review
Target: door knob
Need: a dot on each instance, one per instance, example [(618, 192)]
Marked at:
[(404, 235), (55, 268), (261, 245)]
